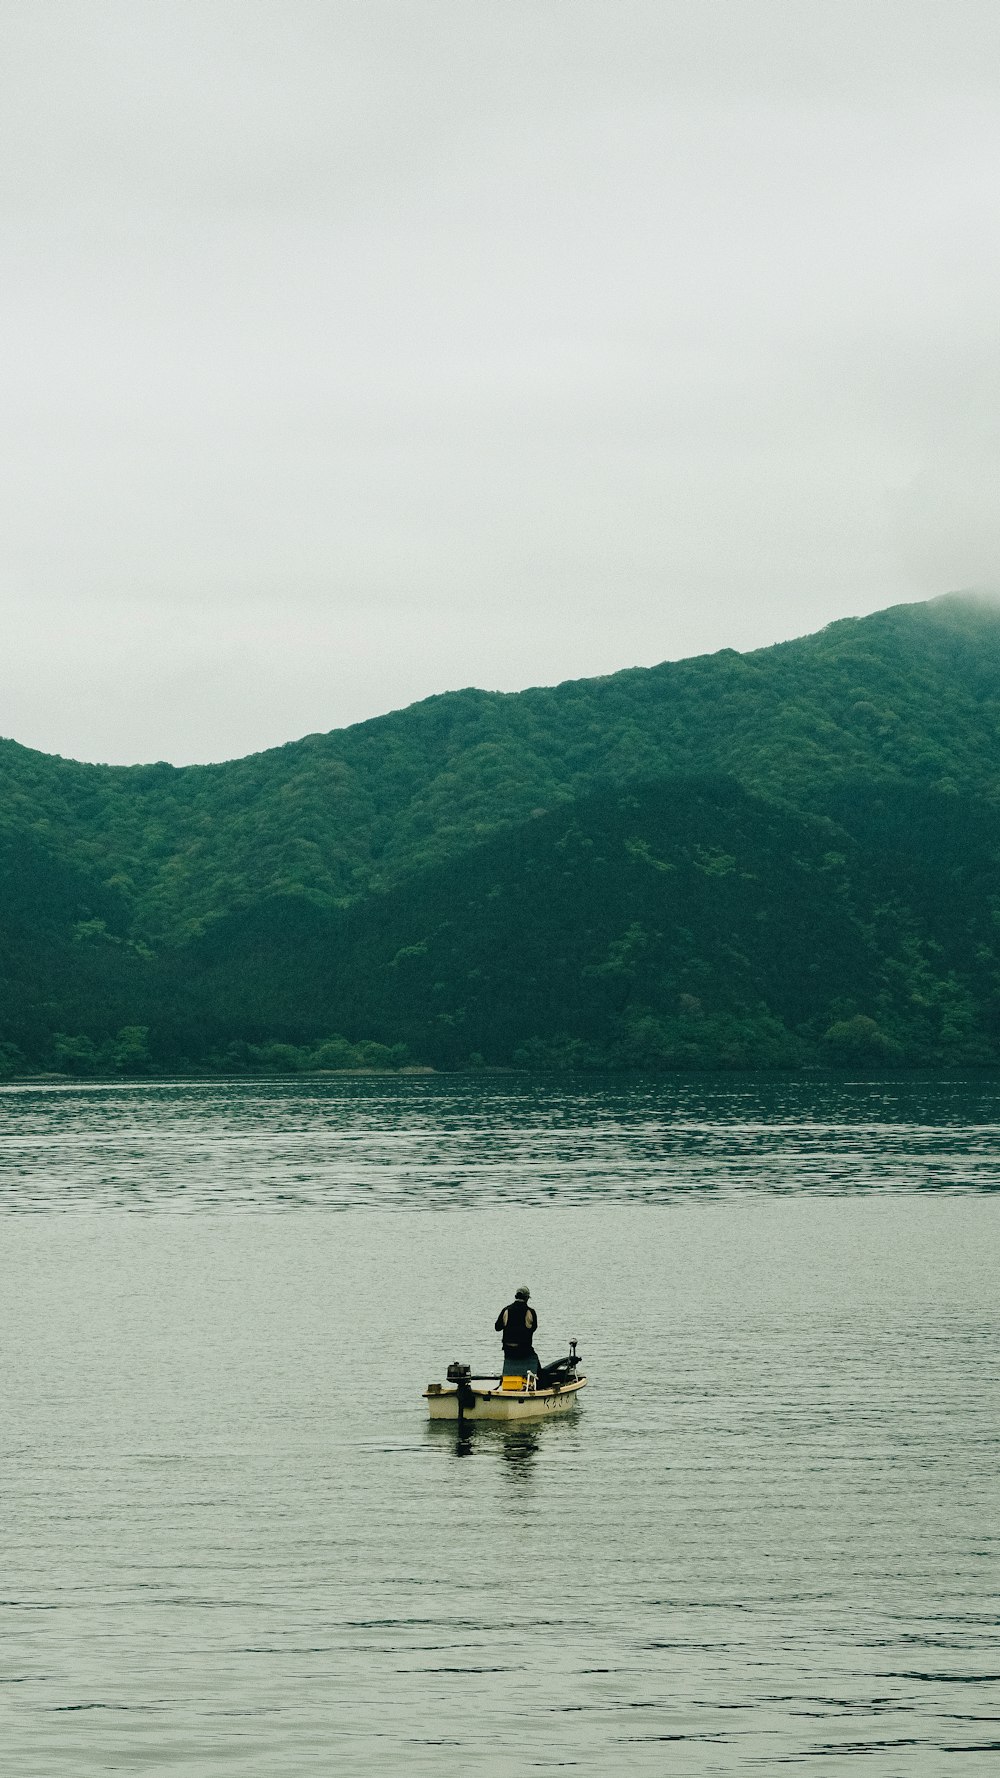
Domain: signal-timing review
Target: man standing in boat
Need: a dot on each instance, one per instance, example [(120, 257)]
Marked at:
[(517, 1325)]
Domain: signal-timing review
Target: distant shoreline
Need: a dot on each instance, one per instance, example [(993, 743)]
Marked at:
[(813, 1071)]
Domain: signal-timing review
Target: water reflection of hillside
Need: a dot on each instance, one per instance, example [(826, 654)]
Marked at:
[(457, 1144)]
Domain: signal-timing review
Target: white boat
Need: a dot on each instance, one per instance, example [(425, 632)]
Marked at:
[(506, 1397)]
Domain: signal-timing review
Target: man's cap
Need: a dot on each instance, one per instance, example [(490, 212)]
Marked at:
[(522, 1290)]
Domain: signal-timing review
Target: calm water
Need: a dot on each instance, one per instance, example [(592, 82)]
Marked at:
[(233, 1544)]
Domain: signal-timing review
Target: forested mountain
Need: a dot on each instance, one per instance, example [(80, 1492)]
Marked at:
[(910, 694), (782, 858), (686, 922)]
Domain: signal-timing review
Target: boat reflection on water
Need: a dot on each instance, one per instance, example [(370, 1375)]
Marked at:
[(520, 1445), (516, 1447)]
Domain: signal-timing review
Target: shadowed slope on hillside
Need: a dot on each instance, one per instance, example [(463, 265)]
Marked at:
[(676, 924), (683, 923)]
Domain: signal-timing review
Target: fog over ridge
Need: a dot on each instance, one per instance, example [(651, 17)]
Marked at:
[(354, 354)]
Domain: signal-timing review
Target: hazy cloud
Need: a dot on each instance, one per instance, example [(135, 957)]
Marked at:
[(355, 352)]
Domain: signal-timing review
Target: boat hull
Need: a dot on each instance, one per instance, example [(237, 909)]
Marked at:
[(490, 1402)]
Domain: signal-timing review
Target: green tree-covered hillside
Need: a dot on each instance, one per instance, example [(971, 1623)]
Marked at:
[(783, 858), (684, 923), (909, 695)]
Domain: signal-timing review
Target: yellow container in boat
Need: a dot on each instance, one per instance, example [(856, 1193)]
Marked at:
[(512, 1383)]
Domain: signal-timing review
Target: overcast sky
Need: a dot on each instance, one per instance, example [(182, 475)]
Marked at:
[(357, 351)]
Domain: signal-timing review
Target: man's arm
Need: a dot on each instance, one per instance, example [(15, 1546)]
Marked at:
[(501, 1321)]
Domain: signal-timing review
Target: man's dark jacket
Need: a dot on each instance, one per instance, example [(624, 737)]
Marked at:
[(517, 1323)]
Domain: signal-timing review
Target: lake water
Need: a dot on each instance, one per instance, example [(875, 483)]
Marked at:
[(232, 1543)]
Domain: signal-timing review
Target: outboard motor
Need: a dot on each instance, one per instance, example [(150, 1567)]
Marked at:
[(462, 1375)]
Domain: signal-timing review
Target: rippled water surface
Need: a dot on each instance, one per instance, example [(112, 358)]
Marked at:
[(233, 1544)]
